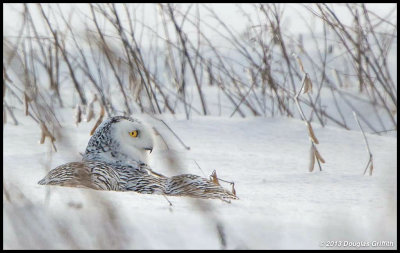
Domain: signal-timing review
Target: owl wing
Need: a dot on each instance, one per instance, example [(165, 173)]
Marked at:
[(87, 174), (141, 179), (145, 180), (117, 177)]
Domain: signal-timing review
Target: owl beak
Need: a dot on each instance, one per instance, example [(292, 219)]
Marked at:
[(150, 149)]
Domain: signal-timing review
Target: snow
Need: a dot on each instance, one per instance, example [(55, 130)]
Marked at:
[(282, 205)]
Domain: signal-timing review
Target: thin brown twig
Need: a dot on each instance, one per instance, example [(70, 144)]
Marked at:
[(370, 160)]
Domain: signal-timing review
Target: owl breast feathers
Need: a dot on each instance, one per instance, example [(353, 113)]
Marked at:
[(116, 160)]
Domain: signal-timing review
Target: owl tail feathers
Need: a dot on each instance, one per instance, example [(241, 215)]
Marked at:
[(197, 187), (48, 181), (78, 174), (42, 181)]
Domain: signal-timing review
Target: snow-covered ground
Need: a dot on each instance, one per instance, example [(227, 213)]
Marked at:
[(282, 205)]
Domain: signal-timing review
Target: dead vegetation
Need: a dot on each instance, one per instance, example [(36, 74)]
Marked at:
[(257, 76)]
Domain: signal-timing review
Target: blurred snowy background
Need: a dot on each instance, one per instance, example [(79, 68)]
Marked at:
[(236, 83)]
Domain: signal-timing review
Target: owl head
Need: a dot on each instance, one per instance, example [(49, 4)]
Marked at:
[(120, 138)]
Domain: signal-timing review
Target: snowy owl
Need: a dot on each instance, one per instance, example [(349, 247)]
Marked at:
[(116, 159)]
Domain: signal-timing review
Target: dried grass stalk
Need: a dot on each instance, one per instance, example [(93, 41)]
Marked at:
[(307, 84), (26, 104), (300, 63), (311, 133), (5, 191), (318, 156), (233, 189), (90, 113), (99, 120), (78, 114), (314, 152), (46, 133), (42, 137), (6, 77), (4, 116), (214, 177), (370, 161), (312, 158), (371, 168)]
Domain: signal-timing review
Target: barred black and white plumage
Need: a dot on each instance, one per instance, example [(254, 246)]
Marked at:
[(116, 159)]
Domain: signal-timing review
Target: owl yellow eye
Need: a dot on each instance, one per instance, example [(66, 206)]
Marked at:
[(134, 133)]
